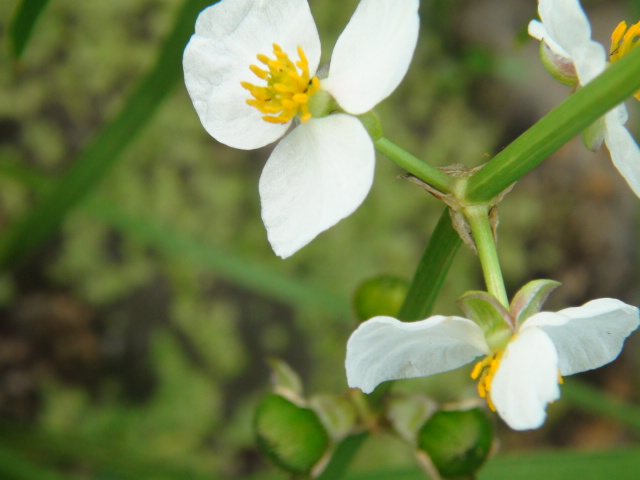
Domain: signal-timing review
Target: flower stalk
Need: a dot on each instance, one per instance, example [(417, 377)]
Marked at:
[(412, 164), (478, 218)]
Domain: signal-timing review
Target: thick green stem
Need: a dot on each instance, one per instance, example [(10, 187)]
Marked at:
[(564, 122), (478, 219), (412, 164)]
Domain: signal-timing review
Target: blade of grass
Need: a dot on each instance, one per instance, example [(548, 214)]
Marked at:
[(242, 271), (619, 464), (234, 268), (432, 270), (96, 160), (591, 400), (21, 25)]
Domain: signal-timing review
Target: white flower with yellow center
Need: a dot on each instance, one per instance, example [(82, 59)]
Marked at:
[(525, 353), (251, 72), (573, 58)]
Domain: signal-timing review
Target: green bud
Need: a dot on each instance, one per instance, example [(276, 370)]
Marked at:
[(457, 442), (560, 67), (290, 436), (381, 295)]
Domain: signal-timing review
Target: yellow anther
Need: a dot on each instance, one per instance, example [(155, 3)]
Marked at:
[(484, 371), (624, 40), (287, 90)]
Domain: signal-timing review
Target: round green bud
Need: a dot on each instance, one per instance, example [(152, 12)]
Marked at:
[(290, 436), (381, 295), (458, 442)]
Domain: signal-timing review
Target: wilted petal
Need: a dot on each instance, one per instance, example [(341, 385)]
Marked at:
[(526, 380), (624, 151), (589, 336), (317, 175), (567, 24), (228, 37), (373, 53), (384, 348)]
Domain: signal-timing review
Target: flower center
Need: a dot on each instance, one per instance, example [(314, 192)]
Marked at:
[(484, 371), (624, 40), (288, 89)]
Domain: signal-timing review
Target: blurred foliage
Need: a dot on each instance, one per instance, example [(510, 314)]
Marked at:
[(137, 335)]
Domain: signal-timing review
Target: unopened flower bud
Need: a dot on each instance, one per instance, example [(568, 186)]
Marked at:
[(457, 442), (290, 436), (381, 295)]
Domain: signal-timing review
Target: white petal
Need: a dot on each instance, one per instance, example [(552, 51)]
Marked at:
[(567, 24), (536, 30), (526, 380), (624, 151), (384, 348), (373, 53), (317, 175), (589, 336), (228, 37)]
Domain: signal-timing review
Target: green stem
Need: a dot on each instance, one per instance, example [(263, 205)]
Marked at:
[(478, 219), (412, 164), (581, 109)]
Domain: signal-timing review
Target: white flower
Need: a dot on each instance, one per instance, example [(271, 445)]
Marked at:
[(247, 97), (566, 31), (519, 378)]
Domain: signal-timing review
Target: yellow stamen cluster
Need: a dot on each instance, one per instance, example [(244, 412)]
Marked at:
[(624, 40), (287, 91), (484, 371)]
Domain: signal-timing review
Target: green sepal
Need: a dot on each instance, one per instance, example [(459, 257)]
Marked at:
[(593, 135), (487, 311), (457, 442), (322, 104), (336, 413), (530, 298), (292, 437), (285, 380), (561, 68), (372, 123), (383, 295), (408, 413)]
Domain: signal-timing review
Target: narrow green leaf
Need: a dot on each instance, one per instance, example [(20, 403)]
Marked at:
[(342, 457), (617, 83), (21, 25), (229, 265), (592, 400), (432, 270), (617, 464), (100, 156)]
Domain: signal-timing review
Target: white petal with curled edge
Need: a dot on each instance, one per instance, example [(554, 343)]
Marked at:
[(228, 37), (567, 24), (536, 30), (317, 175), (624, 151), (384, 348), (526, 380), (589, 336), (373, 53)]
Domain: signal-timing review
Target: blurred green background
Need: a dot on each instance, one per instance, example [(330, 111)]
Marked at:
[(140, 300)]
